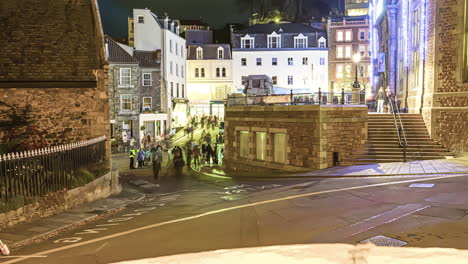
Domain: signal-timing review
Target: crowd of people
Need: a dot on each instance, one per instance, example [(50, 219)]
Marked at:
[(205, 151)]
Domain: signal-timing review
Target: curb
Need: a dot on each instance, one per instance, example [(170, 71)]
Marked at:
[(71, 226)]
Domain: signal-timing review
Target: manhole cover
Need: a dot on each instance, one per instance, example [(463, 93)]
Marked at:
[(422, 185), (384, 241)]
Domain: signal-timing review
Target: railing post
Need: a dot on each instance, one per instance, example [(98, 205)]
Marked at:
[(342, 96), (292, 97), (320, 96)]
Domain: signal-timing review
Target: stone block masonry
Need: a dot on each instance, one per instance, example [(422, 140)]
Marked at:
[(312, 134)]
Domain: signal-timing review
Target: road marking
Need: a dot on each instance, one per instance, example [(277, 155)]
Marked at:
[(25, 256), (83, 243)]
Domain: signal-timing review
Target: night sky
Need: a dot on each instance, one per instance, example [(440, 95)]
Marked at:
[(217, 13)]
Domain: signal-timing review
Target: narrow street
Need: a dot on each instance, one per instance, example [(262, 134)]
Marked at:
[(219, 214)]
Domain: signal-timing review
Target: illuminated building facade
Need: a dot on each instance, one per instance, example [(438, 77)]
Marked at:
[(356, 7), (420, 52)]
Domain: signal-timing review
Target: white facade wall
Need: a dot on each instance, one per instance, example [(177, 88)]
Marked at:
[(203, 88), (151, 36), (305, 77)]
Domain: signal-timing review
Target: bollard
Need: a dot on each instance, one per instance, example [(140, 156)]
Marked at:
[(320, 96), (342, 96)]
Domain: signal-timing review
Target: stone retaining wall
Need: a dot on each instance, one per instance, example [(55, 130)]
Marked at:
[(313, 133), (59, 202)]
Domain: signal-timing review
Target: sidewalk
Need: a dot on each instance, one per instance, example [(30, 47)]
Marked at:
[(27, 233), (425, 167)]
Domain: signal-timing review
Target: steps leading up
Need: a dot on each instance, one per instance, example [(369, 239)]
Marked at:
[(383, 145)]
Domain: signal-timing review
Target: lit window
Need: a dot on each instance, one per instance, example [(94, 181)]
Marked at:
[(300, 42), (348, 71), (362, 51), (279, 148), (243, 62), (290, 80), (259, 61), (339, 35), (197, 72), (141, 19), (274, 41), (247, 42), (339, 71), (199, 53), (260, 142), (244, 144), (349, 35), (125, 76), (305, 61), (348, 52), (275, 79), (361, 71), (147, 103), (290, 61), (126, 102), (339, 52), (274, 61), (147, 79), (220, 53), (322, 61)]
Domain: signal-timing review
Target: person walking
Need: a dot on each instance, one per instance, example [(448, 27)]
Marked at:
[(178, 161), (380, 101), (209, 154), (141, 158), (132, 158), (156, 160), (189, 153), (196, 156)]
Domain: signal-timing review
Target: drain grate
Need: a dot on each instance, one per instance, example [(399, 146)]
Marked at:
[(422, 185), (384, 241)]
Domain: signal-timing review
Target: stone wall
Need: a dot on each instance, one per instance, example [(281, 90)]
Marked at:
[(59, 202), (446, 89), (313, 133)]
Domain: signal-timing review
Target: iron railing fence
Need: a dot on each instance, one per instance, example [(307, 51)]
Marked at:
[(35, 173), (317, 98)]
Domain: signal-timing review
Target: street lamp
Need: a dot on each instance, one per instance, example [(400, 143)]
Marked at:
[(356, 59)]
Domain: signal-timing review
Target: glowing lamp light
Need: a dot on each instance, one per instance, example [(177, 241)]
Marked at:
[(357, 58), (277, 20)]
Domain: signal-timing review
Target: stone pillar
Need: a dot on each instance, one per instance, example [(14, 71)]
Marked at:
[(392, 48)]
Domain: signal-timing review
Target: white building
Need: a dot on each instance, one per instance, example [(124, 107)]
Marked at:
[(209, 78), (294, 56), (150, 33)]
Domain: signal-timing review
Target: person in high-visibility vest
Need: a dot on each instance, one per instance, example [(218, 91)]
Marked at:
[(132, 158)]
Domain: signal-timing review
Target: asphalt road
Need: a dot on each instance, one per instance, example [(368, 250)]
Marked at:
[(204, 216)]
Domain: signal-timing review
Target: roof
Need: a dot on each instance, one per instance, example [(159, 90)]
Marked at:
[(285, 28), (49, 41), (210, 51), (147, 58), (192, 22), (116, 54), (348, 18)]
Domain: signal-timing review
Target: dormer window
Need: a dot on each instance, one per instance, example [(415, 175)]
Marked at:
[(247, 42), (220, 53), (322, 43), (300, 42), (199, 53), (274, 41), (141, 19)]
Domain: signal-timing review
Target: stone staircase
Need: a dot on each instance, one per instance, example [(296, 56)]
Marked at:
[(382, 144)]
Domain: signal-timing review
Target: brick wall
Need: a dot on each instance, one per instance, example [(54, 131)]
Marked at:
[(313, 133)]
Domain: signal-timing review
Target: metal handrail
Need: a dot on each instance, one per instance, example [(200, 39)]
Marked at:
[(399, 125)]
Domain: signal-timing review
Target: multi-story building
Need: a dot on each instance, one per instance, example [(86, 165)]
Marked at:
[(347, 37), (294, 56), (135, 97), (356, 7), (151, 33), (420, 53), (209, 78)]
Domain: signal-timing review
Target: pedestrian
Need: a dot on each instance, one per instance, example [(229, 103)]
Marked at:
[(141, 158), (156, 160), (132, 158), (209, 153), (215, 154), (220, 156), (380, 101), (189, 153), (178, 161), (196, 156), (203, 150)]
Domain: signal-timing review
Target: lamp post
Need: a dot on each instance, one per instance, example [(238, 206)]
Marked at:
[(356, 59), (356, 85)]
